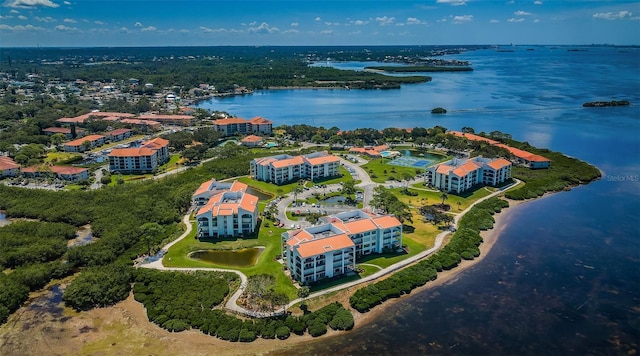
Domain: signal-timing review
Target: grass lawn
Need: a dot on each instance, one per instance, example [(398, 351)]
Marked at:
[(269, 237), (426, 197), (387, 259), (381, 171), (57, 157)]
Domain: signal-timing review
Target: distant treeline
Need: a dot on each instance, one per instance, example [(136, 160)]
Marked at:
[(419, 68)]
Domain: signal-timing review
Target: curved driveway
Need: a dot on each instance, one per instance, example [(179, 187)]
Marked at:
[(367, 184)]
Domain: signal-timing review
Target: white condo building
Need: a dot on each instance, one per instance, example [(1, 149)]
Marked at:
[(285, 168), (228, 213), (331, 249), (457, 176)]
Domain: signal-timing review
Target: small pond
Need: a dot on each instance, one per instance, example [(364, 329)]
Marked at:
[(245, 257), (261, 195), (338, 199)]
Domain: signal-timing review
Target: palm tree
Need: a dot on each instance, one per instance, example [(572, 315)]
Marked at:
[(444, 197)]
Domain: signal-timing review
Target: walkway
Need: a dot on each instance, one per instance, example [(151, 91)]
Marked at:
[(232, 301)]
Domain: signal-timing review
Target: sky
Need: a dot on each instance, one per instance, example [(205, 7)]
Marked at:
[(94, 23)]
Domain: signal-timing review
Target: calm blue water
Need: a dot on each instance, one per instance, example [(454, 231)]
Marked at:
[(564, 277)]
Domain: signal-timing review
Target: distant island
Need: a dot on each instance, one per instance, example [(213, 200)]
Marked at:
[(439, 110), (600, 104), (414, 69)]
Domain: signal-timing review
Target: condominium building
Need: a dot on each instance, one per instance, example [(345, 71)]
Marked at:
[(232, 125), (230, 213), (146, 158), (81, 145), (213, 187), (284, 168), (331, 248), (457, 175)]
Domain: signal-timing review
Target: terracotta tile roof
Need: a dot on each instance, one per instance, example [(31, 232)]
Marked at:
[(473, 137), (140, 122), (387, 221), (7, 163), (117, 132), (249, 202), (298, 236), (499, 163), (514, 151), (260, 121), (443, 169), (80, 141), (465, 169), (293, 161), (132, 152), (322, 160), (359, 226), (68, 170), (166, 117), (156, 143), (252, 139), (62, 130), (321, 246), (204, 187), (238, 187), (229, 120)]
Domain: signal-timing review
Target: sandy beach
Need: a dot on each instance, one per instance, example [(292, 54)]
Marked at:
[(125, 329)]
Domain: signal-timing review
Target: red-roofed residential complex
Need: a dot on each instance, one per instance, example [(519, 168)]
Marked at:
[(145, 158), (67, 173), (285, 168), (457, 176), (331, 249), (252, 141), (233, 125), (528, 159), (8, 167), (231, 212), (84, 144)]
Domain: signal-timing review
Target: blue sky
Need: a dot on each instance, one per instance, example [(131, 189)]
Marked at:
[(47, 23)]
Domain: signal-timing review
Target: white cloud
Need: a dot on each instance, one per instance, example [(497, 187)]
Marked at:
[(355, 32), (537, 2), (28, 4), (22, 17), (494, 21), (291, 31), (612, 15), (149, 29), (360, 22), (521, 13), (452, 2), (326, 32), (20, 28), (264, 28), (295, 24), (536, 20), (45, 19), (184, 31), (384, 20), (415, 21), (5, 17), (14, 11), (98, 22), (442, 20), (318, 18), (515, 20), (462, 19), (66, 28), (138, 24), (70, 21), (253, 23)]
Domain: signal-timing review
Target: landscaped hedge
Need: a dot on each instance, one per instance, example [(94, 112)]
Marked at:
[(179, 301), (463, 244)]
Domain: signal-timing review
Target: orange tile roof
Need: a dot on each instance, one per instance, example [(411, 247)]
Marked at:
[(298, 236), (156, 143), (165, 117), (514, 151), (238, 186), (132, 152), (466, 168), (229, 120), (80, 141), (218, 207), (117, 132), (323, 159), (140, 122), (252, 138), (473, 137), (443, 169), (67, 170), (7, 163), (499, 163), (260, 121), (359, 226), (293, 161), (62, 130), (387, 221), (204, 187), (321, 246), (249, 202)]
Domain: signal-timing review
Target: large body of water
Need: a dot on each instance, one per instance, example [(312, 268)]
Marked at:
[(564, 277)]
